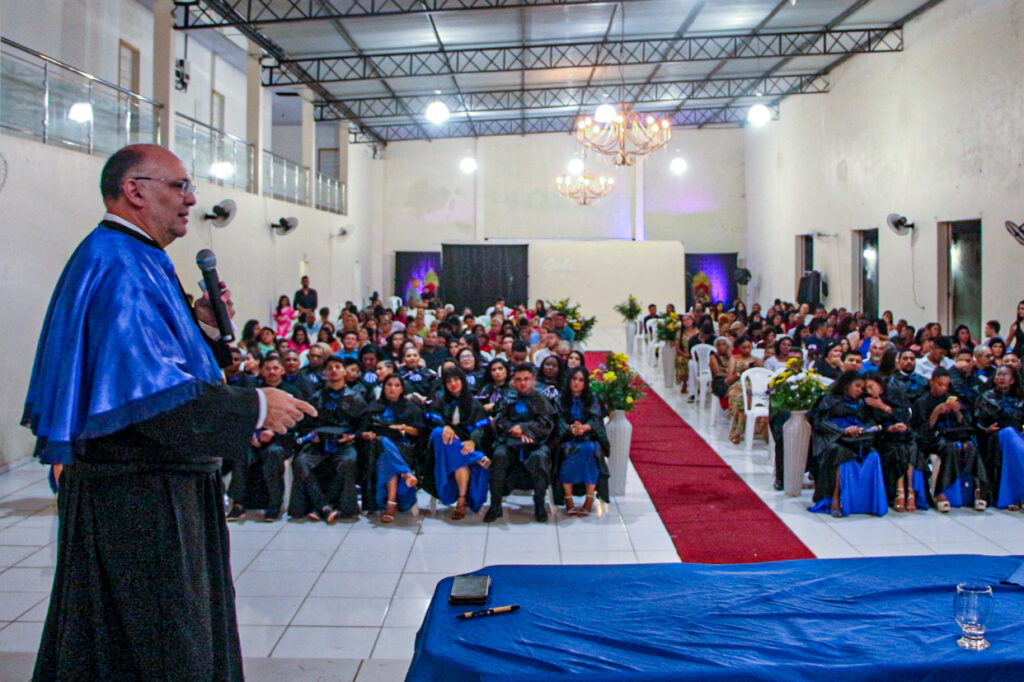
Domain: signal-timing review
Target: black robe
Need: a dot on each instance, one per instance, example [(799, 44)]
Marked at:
[(996, 408), (440, 412), (594, 416), (829, 447), (898, 451), (952, 439)]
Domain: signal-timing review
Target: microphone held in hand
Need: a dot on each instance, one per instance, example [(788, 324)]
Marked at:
[(207, 263)]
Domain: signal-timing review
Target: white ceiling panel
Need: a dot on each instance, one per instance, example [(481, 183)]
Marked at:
[(732, 16)]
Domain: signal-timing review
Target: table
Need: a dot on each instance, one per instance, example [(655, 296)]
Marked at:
[(826, 620)]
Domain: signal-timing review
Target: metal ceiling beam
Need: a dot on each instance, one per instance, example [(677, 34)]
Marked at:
[(294, 70), (335, 69), (665, 94), (896, 25), (684, 118), (198, 14)]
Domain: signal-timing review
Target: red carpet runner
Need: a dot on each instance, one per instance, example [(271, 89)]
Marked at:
[(711, 514)]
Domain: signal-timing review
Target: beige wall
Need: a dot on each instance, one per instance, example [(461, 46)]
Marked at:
[(428, 201), (933, 133), (51, 201), (600, 274)]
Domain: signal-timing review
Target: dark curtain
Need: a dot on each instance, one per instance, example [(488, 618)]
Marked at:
[(475, 276)]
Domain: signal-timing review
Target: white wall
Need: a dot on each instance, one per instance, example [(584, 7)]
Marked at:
[(933, 133), (600, 274), (257, 265), (429, 201)]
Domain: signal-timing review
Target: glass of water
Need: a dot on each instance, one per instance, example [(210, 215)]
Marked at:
[(972, 609)]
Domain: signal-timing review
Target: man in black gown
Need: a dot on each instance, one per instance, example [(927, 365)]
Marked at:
[(142, 588)]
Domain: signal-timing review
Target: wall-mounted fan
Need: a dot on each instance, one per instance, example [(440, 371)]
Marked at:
[(1016, 230), (742, 276), (221, 214), (285, 226), (899, 224)]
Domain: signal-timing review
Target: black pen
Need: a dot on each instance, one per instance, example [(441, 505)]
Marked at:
[(488, 612)]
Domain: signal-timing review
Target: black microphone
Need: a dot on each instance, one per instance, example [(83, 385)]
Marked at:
[(207, 263)]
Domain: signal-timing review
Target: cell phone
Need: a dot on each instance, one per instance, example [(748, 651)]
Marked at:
[(470, 589)]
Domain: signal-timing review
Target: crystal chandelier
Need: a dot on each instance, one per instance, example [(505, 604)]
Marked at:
[(623, 135), (584, 188)]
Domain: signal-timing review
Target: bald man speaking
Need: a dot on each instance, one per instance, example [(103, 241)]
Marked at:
[(128, 396)]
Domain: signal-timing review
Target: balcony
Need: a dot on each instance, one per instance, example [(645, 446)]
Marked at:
[(213, 155)]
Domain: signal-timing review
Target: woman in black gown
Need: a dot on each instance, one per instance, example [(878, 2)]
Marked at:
[(392, 426)]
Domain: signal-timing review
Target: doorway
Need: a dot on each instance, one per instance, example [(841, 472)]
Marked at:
[(960, 274), (867, 271)]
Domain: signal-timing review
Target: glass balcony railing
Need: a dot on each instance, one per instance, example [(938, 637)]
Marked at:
[(284, 179), (53, 102), (330, 194), (213, 155)]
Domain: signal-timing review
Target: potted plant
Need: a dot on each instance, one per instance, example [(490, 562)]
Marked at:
[(630, 310), (668, 332), (580, 325), (795, 390), (613, 384)]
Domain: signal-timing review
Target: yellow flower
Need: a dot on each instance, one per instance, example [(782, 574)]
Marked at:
[(629, 400), (609, 376), (793, 363)]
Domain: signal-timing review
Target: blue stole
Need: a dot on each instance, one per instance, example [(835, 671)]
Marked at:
[(118, 346)]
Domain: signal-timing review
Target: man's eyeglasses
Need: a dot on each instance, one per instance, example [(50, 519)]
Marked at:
[(184, 186)]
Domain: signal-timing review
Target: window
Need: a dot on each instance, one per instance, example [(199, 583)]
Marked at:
[(128, 78), (327, 161)]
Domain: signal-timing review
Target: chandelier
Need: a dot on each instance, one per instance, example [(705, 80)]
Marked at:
[(584, 188), (622, 133)]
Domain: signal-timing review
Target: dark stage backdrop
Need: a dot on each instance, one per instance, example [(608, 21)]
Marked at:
[(475, 276), (417, 273), (709, 277)]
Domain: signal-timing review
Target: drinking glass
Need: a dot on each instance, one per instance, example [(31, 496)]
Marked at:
[(972, 609)]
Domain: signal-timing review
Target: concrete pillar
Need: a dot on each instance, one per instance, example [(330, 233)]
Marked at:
[(254, 114), (164, 42), (308, 142), (639, 227), (343, 151)]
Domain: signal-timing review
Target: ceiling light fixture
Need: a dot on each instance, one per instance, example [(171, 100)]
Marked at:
[(759, 115), (437, 112), (626, 136), (575, 166), (677, 165), (581, 186), (468, 165)]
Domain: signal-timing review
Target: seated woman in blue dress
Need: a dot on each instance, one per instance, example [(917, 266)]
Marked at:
[(392, 425), (582, 445), (999, 414), (849, 471), (906, 472), (460, 466)]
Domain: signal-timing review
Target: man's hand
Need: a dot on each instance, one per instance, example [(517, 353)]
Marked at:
[(898, 428), (346, 439), (204, 310), (516, 431), (852, 431), (284, 410)]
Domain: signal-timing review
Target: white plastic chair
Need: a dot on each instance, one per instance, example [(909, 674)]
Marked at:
[(651, 334), (754, 383), (394, 302), (639, 338), (702, 355)]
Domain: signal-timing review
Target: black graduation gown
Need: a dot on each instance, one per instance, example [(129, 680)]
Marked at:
[(829, 447), (440, 412), (112, 613), (378, 418), (898, 451), (422, 381), (951, 439), (594, 416), (994, 407)]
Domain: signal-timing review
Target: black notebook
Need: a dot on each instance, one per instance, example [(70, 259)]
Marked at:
[(470, 589)]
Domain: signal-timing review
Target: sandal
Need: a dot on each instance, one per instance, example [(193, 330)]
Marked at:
[(588, 504), (460, 509), (900, 503), (980, 505), (836, 510), (943, 506), (911, 501), (389, 514), (570, 508)]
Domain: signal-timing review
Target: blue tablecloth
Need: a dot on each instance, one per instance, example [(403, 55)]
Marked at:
[(826, 620)]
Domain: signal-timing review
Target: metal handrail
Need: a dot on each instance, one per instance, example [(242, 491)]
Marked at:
[(211, 128), (84, 74)]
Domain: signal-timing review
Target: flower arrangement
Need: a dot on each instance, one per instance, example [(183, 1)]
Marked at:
[(629, 309), (668, 327), (582, 326), (795, 388), (613, 383)]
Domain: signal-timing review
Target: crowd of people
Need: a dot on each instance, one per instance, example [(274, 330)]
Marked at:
[(426, 398), (920, 418)]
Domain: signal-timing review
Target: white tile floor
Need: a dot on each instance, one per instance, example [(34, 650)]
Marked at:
[(355, 593)]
